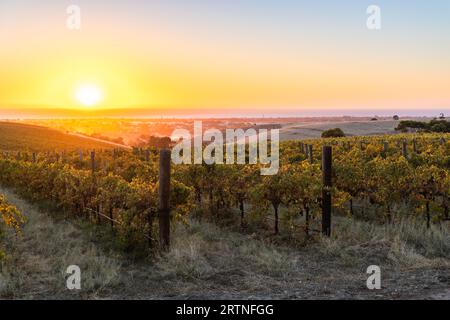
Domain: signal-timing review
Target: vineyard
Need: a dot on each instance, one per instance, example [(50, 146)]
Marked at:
[(382, 179), (10, 217)]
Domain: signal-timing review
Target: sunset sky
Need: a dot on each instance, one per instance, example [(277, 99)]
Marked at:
[(234, 55)]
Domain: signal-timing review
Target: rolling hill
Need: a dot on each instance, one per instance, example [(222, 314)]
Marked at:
[(24, 137)]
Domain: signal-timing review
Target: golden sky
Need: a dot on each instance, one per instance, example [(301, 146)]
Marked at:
[(195, 54)]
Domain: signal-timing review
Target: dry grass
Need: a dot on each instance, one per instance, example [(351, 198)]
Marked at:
[(203, 249), (209, 262), (406, 244), (37, 261), (242, 266)]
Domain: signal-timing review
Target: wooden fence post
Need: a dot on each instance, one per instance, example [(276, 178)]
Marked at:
[(310, 147), (164, 193), (34, 157), (326, 190), (147, 155), (404, 149), (414, 145), (93, 161), (385, 147)]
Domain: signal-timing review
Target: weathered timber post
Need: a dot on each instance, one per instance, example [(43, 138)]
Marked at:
[(93, 161), (385, 147), (147, 155), (81, 155), (34, 157), (164, 192), (310, 147), (326, 190), (404, 149), (414, 146)]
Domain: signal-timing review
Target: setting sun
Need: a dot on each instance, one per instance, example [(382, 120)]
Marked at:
[(88, 95)]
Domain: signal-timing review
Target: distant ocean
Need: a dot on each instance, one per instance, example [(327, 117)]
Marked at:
[(12, 114)]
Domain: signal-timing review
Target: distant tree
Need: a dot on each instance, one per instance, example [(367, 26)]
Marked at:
[(159, 142), (396, 117), (405, 125), (433, 126), (374, 119), (333, 133), (442, 116), (439, 126)]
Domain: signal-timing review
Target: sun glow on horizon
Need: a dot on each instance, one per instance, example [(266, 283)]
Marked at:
[(221, 57), (88, 95)]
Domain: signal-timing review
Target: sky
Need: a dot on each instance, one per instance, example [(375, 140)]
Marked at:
[(226, 56)]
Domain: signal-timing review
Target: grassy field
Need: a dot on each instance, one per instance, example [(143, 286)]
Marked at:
[(23, 137), (210, 262), (351, 128)]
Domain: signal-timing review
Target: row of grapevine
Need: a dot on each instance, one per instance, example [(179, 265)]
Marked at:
[(10, 217), (368, 172), (129, 207)]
